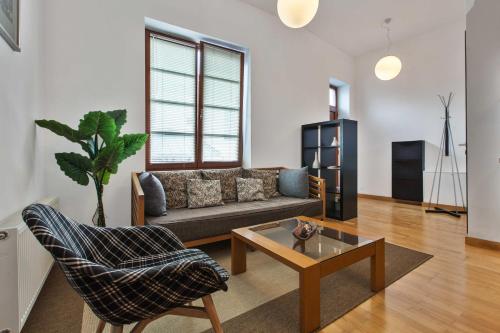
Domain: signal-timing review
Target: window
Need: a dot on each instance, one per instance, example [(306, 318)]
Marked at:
[(334, 114), (194, 94)]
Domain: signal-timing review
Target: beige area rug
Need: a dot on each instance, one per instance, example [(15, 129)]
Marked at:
[(265, 298)]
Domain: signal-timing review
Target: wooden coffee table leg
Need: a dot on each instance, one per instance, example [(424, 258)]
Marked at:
[(309, 299), (378, 266), (238, 256)]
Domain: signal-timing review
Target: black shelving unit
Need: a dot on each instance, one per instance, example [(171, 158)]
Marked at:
[(338, 164), (408, 164)]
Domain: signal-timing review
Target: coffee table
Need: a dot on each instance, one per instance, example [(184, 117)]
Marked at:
[(333, 247)]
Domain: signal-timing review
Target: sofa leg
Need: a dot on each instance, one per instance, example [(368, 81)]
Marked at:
[(212, 313), (116, 329), (100, 326)]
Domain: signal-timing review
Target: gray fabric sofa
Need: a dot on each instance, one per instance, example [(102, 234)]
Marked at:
[(206, 225)]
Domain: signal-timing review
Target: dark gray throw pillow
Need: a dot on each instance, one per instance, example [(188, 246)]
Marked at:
[(294, 183), (155, 203)]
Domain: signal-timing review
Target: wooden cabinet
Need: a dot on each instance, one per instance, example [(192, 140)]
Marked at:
[(408, 164)]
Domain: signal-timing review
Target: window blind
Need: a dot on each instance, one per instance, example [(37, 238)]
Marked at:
[(172, 101), (221, 104)]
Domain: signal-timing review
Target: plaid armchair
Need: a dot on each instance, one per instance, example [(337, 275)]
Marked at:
[(126, 274)]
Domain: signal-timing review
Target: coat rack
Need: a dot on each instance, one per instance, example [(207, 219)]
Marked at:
[(444, 150)]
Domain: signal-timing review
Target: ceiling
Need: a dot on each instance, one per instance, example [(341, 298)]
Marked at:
[(354, 26)]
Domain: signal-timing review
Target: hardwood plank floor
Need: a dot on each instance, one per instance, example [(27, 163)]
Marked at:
[(456, 291)]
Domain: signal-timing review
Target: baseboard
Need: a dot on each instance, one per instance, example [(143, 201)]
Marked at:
[(424, 204), (375, 197), (483, 243), (384, 198)]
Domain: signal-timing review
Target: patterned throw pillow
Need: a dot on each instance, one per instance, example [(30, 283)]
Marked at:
[(174, 183), (227, 179), (204, 193), (250, 189), (268, 177)]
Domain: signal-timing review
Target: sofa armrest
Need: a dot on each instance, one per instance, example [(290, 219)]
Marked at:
[(317, 189), (137, 201)]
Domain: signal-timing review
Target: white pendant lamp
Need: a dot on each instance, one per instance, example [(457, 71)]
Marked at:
[(389, 66), (297, 13)]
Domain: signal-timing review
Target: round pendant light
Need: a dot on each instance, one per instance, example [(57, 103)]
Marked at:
[(297, 13), (389, 66)]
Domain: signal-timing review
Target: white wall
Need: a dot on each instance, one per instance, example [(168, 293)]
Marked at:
[(20, 104), (483, 119), (407, 108), (95, 57)]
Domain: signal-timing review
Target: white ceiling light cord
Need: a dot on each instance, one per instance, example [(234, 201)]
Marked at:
[(389, 66), (386, 26)]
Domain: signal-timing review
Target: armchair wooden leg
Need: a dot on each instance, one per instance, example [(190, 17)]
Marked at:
[(100, 326), (212, 313), (208, 311), (140, 326), (116, 329)]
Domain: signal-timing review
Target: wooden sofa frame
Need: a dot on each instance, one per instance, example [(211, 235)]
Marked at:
[(317, 189)]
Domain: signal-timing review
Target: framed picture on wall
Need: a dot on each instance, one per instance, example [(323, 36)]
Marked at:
[(9, 22)]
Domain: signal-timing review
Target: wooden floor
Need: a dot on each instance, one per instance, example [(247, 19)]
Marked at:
[(456, 291)]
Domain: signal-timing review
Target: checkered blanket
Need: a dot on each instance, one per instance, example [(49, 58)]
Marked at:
[(125, 274)]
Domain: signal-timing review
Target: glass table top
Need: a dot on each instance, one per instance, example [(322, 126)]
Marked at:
[(324, 244)]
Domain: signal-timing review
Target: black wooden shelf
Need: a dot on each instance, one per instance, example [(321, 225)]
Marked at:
[(341, 182), (332, 192), (326, 168)]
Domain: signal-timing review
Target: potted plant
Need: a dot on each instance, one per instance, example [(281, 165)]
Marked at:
[(98, 134)]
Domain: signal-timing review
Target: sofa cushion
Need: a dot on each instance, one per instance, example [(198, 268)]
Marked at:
[(227, 179), (192, 224), (294, 183), (204, 193), (175, 185), (155, 203), (269, 177), (250, 189)]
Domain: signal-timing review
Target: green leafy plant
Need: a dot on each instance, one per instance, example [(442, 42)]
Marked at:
[(98, 134)]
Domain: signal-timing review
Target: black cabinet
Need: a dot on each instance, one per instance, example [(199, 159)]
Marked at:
[(408, 164), (338, 163)]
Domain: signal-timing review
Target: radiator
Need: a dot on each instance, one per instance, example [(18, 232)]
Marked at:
[(24, 266)]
